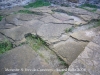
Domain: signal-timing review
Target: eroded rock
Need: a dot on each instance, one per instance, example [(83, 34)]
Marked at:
[(83, 14), (50, 32), (88, 61), (87, 35), (69, 50), (21, 60)]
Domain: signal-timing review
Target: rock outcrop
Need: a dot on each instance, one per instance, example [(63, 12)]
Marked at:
[(67, 31), (23, 61), (87, 63)]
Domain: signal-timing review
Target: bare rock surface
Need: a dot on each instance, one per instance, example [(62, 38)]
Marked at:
[(87, 63), (17, 33), (86, 35), (23, 60), (69, 50), (71, 19), (50, 25), (66, 30), (51, 31), (83, 14)]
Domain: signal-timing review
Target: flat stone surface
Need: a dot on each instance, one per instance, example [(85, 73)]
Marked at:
[(86, 35), (4, 25), (18, 33), (69, 18), (96, 39), (44, 9), (25, 17), (23, 58), (85, 15), (12, 19), (50, 19), (19, 57), (51, 31), (69, 50), (51, 23), (17, 19), (88, 61)]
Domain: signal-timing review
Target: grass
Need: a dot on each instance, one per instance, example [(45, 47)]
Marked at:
[(62, 72), (97, 24), (1, 17), (89, 5), (38, 3), (63, 62), (35, 42), (5, 46), (23, 43), (69, 29), (94, 7), (65, 5)]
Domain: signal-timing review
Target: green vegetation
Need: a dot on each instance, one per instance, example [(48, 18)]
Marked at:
[(38, 3), (36, 42), (23, 43), (69, 29), (92, 8), (97, 24), (65, 5), (63, 62), (1, 18), (89, 5), (5, 46), (62, 72)]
